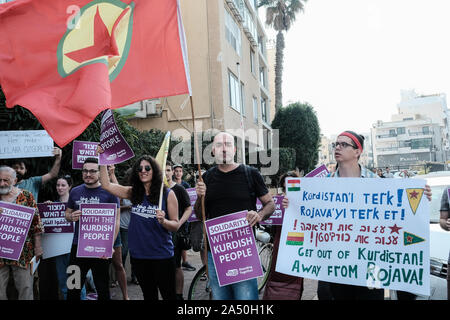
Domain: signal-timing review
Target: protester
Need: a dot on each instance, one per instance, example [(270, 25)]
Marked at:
[(33, 184), (149, 237), (117, 264), (90, 192), (230, 187), (52, 271), (178, 178), (347, 151), (444, 222), (281, 286), (380, 173), (184, 212), (388, 173), (32, 247)]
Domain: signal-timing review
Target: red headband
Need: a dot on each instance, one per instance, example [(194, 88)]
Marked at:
[(354, 139)]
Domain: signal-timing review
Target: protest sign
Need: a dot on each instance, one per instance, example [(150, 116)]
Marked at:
[(233, 248), (96, 230), (82, 150), (53, 217), (15, 222), (276, 218), (364, 232), (115, 147), (25, 144), (318, 172), (193, 198)]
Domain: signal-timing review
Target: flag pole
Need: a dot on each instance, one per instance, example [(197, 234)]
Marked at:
[(202, 199)]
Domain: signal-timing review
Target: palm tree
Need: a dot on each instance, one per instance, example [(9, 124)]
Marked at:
[(280, 14)]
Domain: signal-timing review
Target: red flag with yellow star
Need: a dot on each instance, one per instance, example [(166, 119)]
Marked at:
[(68, 60)]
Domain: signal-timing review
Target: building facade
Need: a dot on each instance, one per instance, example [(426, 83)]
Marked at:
[(228, 67), (418, 134)]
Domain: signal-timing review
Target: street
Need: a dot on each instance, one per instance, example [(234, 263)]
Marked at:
[(135, 293)]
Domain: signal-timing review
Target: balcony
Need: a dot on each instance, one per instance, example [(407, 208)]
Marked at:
[(237, 8)]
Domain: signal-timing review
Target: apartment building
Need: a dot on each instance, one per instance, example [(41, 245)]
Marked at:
[(228, 66)]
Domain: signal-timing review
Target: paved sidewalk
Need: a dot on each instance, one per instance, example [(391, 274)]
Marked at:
[(135, 293)]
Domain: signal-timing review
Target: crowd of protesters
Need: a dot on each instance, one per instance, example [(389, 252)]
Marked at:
[(151, 224)]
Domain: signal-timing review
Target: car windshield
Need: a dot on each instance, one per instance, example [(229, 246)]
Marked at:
[(436, 203)]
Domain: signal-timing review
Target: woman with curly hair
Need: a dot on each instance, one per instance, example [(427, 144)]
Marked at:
[(149, 232)]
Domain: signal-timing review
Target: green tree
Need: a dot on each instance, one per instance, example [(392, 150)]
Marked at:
[(280, 15), (299, 129)]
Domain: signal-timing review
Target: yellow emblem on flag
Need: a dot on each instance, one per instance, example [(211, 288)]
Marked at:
[(414, 197)]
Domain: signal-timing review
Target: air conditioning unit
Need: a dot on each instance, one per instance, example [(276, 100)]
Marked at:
[(150, 106)]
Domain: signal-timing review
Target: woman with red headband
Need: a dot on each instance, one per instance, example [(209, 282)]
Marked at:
[(347, 150)]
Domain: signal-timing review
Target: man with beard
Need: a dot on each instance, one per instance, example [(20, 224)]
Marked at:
[(20, 269), (33, 184), (231, 187), (90, 192)]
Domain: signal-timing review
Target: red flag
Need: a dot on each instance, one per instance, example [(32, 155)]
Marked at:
[(67, 60)]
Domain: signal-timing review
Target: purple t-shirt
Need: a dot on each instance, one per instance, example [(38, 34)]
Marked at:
[(82, 194)]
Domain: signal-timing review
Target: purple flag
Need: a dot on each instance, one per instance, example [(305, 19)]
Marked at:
[(96, 230), (115, 147), (53, 217), (82, 150), (233, 248), (15, 221)]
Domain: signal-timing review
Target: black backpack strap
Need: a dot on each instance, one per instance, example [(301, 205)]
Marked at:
[(251, 184)]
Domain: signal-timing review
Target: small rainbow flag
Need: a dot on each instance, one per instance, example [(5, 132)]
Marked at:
[(293, 185), (295, 239)]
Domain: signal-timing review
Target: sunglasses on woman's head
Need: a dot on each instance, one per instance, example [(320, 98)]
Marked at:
[(147, 168)]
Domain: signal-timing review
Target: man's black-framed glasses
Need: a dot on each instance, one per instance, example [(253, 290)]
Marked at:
[(343, 145)]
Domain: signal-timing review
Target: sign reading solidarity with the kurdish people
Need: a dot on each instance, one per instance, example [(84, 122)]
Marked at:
[(115, 147), (364, 232), (233, 248), (96, 233), (15, 221), (53, 217), (82, 150)]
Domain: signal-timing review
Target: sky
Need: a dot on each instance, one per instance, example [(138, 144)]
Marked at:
[(350, 59)]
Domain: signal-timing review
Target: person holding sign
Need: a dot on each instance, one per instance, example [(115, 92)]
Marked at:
[(20, 268), (230, 187), (149, 232), (91, 192), (347, 151), (33, 184)]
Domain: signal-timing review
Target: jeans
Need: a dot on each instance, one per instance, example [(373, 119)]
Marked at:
[(100, 272), (245, 290)]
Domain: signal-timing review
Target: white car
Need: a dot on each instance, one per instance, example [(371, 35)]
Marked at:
[(439, 238)]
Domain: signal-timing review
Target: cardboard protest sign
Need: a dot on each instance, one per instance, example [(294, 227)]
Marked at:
[(25, 144), (82, 150), (233, 248), (115, 147), (15, 222), (53, 217), (364, 232), (96, 230)]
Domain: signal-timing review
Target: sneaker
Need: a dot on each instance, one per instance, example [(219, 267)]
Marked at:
[(187, 266)]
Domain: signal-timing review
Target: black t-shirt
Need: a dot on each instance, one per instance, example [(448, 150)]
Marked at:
[(183, 202), (228, 192)]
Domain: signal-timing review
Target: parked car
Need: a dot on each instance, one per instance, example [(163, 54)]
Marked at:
[(439, 238)]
